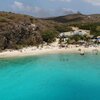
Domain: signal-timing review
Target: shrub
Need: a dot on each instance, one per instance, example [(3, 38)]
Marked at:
[(63, 28), (49, 36)]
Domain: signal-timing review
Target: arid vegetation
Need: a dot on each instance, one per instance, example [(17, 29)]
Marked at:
[(17, 31)]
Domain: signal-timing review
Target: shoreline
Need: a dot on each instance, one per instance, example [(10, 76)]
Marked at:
[(33, 51)]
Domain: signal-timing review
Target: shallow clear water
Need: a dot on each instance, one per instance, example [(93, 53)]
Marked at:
[(50, 77)]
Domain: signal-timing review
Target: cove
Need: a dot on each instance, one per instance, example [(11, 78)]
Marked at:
[(50, 77)]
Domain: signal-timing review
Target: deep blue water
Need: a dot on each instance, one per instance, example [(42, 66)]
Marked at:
[(50, 77)]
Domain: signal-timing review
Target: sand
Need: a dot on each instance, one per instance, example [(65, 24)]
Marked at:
[(31, 51)]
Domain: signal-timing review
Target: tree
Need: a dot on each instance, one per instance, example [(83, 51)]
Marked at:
[(49, 36), (76, 38)]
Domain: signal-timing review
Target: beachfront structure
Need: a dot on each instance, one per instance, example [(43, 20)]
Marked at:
[(66, 34), (81, 32), (75, 32), (98, 39)]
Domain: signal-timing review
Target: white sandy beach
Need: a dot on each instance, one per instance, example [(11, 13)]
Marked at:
[(31, 51)]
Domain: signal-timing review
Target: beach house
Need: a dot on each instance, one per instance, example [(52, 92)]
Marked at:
[(75, 32), (65, 34), (81, 32)]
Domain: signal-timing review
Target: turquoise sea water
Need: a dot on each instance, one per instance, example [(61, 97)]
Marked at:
[(50, 77)]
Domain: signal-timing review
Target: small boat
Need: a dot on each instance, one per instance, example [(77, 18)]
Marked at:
[(82, 53)]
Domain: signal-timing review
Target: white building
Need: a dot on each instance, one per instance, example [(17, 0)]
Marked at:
[(66, 34), (75, 32), (81, 32)]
